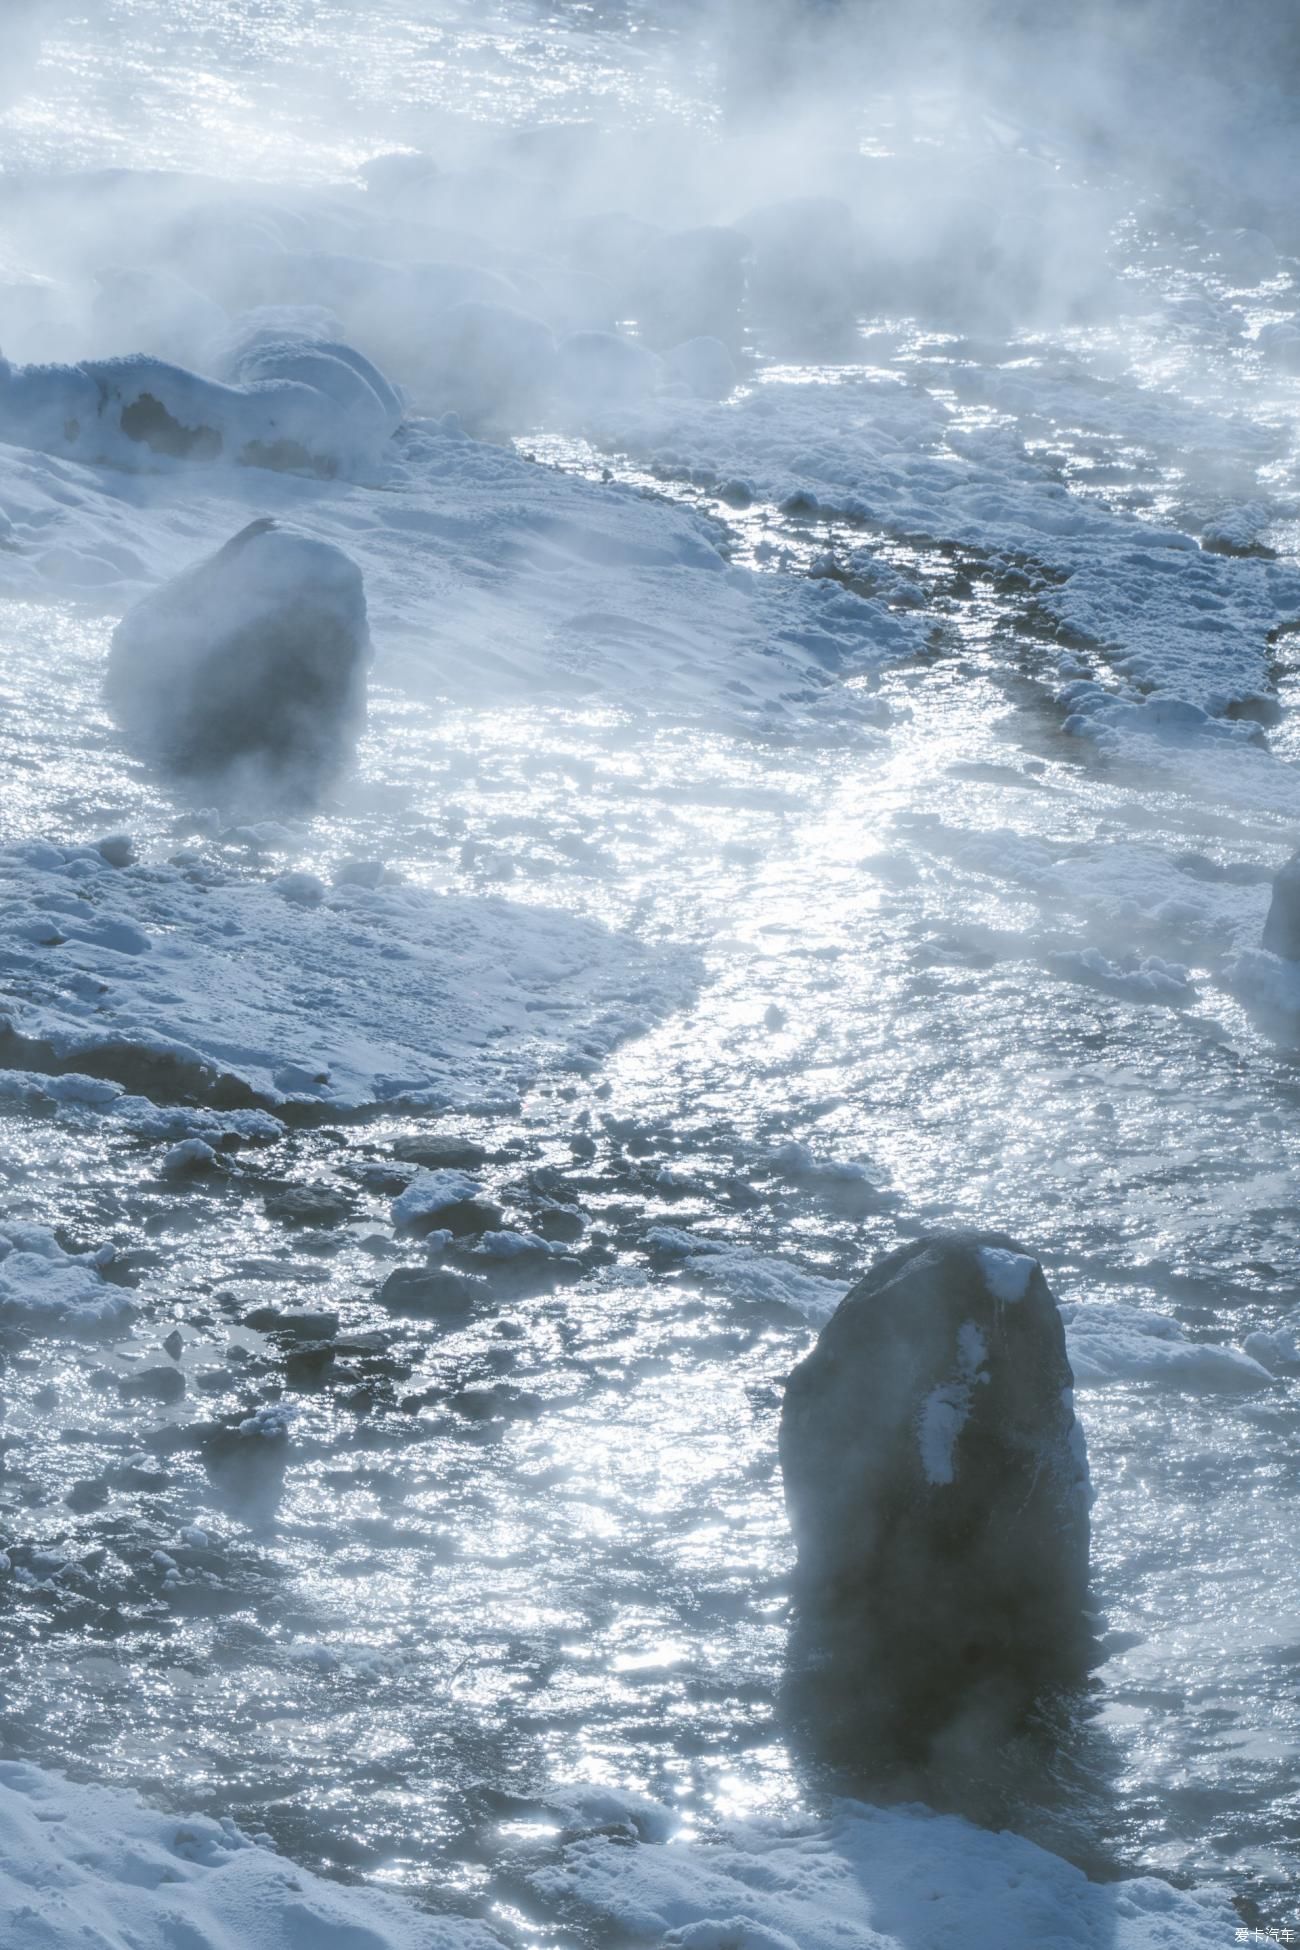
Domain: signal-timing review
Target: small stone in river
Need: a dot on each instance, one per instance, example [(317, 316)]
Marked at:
[(189, 1159), (175, 1344), (415, 1289), (440, 1151), (117, 849), (308, 1205), (153, 1384)]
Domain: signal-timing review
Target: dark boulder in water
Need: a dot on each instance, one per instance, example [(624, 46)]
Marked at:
[(254, 659), (937, 1484), (1282, 927)]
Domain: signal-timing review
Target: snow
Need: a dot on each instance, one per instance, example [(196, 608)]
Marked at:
[(45, 1290), (871, 1879), (750, 1278), (90, 1868), (432, 1192), (1183, 631), (304, 410), (946, 1409), (200, 981), (1110, 1342), (1006, 1274)]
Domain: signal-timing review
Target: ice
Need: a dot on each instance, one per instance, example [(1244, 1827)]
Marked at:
[(137, 412)]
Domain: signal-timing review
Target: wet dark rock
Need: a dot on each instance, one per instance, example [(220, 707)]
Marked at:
[(462, 1219), (309, 1367), (175, 1344), (440, 1152), (257, 654), (87, 1496), (308, 1205), (563, 1222), (1282, 927), (936, 1481), (305, 1325), (433, 1291), (501, 1402), (153, 1384)]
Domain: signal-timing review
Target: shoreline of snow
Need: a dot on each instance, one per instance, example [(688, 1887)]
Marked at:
[(84, 1867)]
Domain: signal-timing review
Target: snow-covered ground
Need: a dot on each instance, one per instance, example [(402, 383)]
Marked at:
[(829, 742)]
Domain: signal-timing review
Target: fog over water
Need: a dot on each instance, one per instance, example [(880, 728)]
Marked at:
[(828, 500)]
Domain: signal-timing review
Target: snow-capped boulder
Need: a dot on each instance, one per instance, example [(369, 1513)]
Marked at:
[(489, 363), (595, 369), (805, 271), (703, 366), (937, 1481), (141, 412), (1282, 925), (255, 656), (154, 312), (690, 284)]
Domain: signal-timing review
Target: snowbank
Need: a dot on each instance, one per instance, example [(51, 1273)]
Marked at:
[(89, 1868), (871, 1879), (195, 986)]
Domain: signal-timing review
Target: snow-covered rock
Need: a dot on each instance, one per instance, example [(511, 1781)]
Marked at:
[(703, 366), (255, 656), (138, 412), (690, 284), (937, 1482), (44, 1290), (598, 369)]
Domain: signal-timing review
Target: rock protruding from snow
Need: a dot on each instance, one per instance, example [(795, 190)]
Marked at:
[(937, 1481), (1282, 927), (255, 657)]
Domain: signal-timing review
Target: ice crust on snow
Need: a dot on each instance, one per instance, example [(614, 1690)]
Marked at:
[(90, 1865), (872, 1879), (388, 994)]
